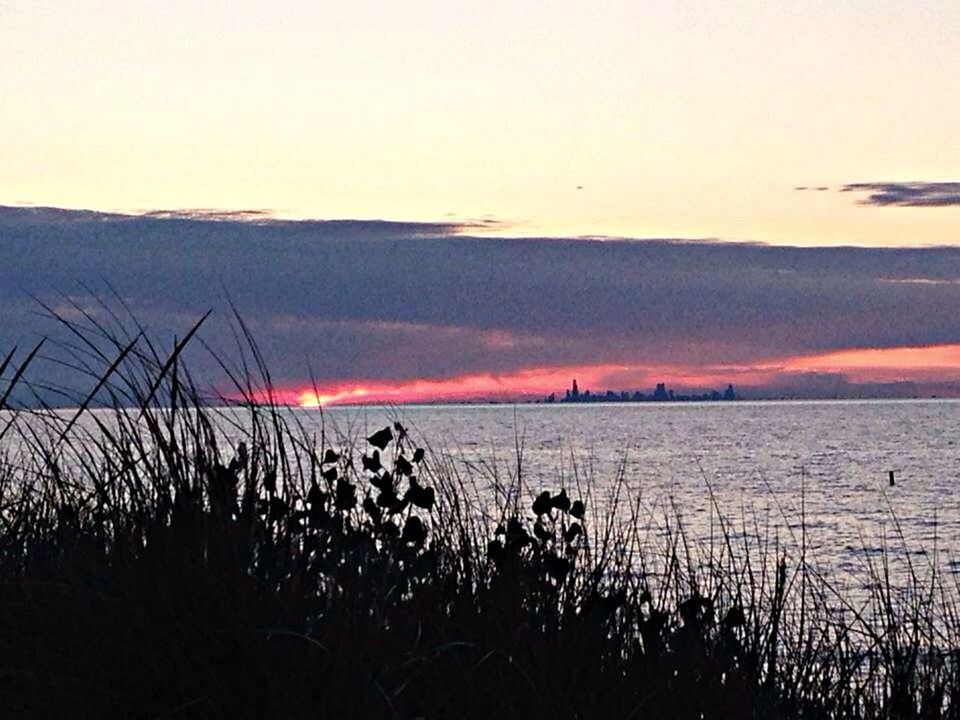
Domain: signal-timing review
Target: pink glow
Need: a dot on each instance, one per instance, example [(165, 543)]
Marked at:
[(520, 383), (934, 363)]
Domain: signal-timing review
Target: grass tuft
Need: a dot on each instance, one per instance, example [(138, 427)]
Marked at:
[(162, 556)]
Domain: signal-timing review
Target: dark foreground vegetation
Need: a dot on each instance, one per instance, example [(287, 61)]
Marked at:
[(152, 568)]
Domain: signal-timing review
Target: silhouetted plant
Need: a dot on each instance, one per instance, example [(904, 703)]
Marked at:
[(151, 567)]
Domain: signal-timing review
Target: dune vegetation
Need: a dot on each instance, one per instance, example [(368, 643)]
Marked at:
[(164, 556)]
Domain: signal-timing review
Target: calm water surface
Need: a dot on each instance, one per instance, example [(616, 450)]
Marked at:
[(762, 461), (766, 465)]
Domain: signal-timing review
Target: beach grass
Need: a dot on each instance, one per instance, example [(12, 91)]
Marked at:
[(169, 556)]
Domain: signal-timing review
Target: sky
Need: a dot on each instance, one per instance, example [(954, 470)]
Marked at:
[(550, 151), (375, 311)]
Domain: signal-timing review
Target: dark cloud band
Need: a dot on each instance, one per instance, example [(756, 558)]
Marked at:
[(907, 194), (398, 300)]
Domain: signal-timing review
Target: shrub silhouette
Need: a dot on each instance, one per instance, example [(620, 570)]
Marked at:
[(150, 569)]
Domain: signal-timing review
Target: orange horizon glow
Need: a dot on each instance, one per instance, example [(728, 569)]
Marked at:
[(863, 365), (883, 363), (530, 381)]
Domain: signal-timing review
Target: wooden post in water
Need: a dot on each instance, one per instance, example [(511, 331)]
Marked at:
[(892, 479)]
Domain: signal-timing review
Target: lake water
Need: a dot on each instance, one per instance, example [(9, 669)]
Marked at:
[(764, 465), (770, 463)]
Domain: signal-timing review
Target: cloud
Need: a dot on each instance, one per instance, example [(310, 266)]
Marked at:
[(394, 301), (210, 214), (907, 194)]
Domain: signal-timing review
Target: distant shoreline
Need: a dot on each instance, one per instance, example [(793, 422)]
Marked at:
[(558, 405), (710, 403)]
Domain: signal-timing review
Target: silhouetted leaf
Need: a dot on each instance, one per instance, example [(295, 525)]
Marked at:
[(422, 497), (541, 532), (427, 499), (399, 507), (388, 499), (382, 482), (381, 438), (414, 531), (402, 466), (330, 474), (346, 496), (315, 496), (572, 532), (330, 456), (418, 455), (372, 463), (371, 508), (542, 504), (577, 509), (560, 501)]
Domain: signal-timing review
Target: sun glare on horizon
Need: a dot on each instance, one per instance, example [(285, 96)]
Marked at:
[(901, 364)]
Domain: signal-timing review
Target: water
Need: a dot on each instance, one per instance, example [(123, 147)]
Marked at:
[(767, 467), (769, 463)]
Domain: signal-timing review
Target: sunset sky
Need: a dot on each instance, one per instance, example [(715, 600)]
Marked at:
[(735, 150)]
